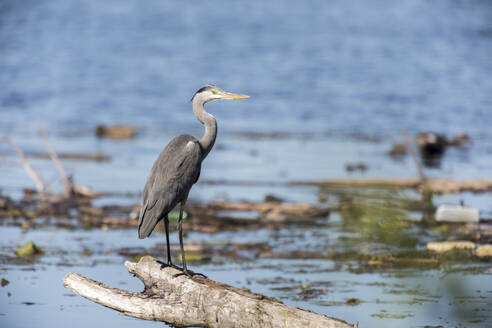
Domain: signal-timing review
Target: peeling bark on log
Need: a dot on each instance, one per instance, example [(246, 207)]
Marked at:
[(185, 302)]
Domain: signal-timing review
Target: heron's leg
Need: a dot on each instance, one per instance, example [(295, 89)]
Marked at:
[(166, 226), (169, 262), (187, 272), (180, 235)]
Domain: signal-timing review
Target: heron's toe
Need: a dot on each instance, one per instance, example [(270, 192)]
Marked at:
[(169, 264), (190, 274)]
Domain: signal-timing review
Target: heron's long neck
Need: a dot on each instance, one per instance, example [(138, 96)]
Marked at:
[(208, 139)]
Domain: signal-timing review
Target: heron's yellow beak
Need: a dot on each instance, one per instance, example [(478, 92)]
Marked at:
[(228, 95)]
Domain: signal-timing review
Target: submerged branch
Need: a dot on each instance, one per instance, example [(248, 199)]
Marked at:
[(185, 302)]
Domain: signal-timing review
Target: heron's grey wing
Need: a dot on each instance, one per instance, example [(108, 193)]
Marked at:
[(169, 182), (177, 170)]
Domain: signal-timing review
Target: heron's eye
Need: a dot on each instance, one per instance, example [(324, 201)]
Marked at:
[(214, 92)]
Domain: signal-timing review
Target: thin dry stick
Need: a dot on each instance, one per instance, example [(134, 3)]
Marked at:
[(414, 156), (27, 166), (54, 157)]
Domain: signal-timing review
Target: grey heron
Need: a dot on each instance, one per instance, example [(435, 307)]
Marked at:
[(177, 169)]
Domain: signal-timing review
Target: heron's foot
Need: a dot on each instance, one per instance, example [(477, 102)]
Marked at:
[(169, 264), (190, 274)]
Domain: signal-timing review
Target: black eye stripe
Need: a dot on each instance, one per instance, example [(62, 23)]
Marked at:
[(205, 88)]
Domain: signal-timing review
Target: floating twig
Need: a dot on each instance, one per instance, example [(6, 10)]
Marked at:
[(96, 157), (414, 156), (35, 176)]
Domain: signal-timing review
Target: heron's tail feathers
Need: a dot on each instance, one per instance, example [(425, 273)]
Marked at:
[(145, 229), (147, 220)]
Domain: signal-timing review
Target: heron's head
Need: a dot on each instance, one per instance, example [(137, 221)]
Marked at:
[(212, 92)]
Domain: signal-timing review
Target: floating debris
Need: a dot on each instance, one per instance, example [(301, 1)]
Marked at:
[(273, 199), (116, 131), (361, 167), (383, 314), (459, 140), (446, 246), (4, 282), (457, 213), (274, 211), (484, 251), (194, 258), (96, 157), (353, 301), (431, 144), (434, 185), (29, 249), (398, 150)]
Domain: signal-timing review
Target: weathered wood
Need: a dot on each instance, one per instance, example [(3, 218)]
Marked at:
[(185, 302), (369, 183), (446, 186), (270, 212), (438, 186)]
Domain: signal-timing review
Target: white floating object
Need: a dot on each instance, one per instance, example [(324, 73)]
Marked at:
[(445, 246), (457, 213), (484, 251)]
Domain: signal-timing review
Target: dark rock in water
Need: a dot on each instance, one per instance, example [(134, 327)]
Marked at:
[(356, 167), (353, 301), (398, 150), (5, 202), (273, 199), (431, 144), (432, 147), (116, 131)]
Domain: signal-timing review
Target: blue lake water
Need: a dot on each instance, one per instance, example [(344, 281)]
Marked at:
[(331, 82)]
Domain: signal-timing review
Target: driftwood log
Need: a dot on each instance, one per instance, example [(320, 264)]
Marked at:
[(184, 302)]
